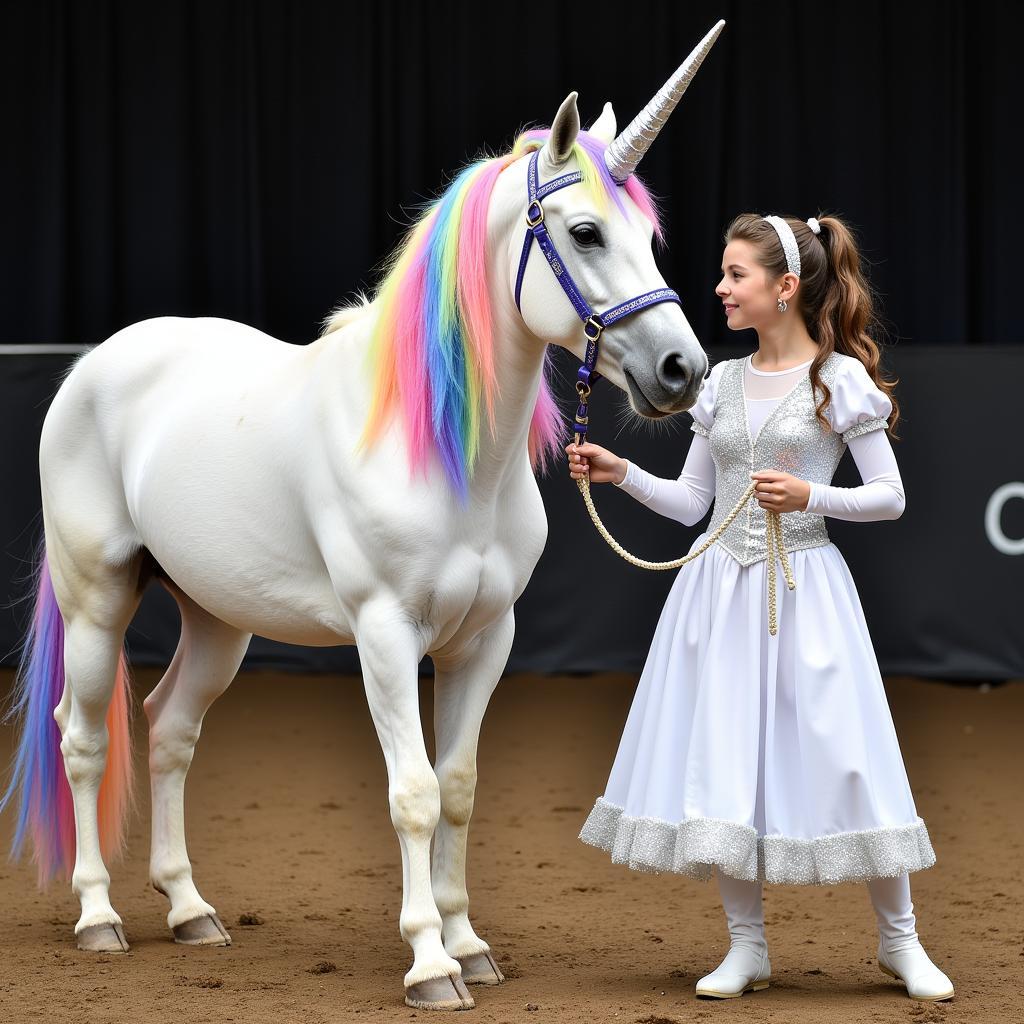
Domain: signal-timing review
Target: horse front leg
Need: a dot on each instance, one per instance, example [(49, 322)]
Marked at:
[(462, 690), (389, 653)]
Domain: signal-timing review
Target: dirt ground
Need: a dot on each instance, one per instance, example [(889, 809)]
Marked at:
[(288, 821)]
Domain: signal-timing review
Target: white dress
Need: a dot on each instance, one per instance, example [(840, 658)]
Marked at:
[(772, 758)]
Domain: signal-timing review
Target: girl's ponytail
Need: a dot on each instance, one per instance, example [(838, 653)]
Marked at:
[(844, 314)]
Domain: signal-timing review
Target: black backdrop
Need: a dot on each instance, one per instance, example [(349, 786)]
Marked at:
[(940, 586), (256, 160)]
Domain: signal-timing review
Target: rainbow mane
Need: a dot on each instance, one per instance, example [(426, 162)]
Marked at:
[(433, 342)]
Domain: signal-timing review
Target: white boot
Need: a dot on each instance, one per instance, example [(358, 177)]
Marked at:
[(743, 970), (900, 953), (913, 967), (745, 967)]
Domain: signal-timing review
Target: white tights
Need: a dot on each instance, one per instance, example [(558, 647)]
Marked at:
[(890, 896)]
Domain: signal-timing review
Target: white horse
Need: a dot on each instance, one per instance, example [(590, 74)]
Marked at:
[(227, 465)]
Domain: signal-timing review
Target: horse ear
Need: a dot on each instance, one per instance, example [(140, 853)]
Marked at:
[(564, 129), (604, 127)]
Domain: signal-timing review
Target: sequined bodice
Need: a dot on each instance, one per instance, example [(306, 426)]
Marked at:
[(791, 440)]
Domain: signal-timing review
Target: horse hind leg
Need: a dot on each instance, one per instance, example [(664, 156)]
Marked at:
[(204, 664), (96, 607)]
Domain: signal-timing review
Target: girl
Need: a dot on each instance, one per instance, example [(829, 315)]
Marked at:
[(769, 754)]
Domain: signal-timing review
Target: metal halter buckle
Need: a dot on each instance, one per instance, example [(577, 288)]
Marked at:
[(538, 218), (583, 390), (593, 327)]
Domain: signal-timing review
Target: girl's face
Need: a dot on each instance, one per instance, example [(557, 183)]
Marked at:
[(750, 298)]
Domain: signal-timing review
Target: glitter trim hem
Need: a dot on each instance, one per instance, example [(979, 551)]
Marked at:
[(699, 428), (698, 845)]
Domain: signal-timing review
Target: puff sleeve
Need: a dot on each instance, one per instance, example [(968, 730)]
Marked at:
[(703, 410), (858, 405)]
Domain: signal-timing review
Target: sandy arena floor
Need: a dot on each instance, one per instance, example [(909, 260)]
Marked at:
[(288, 818)]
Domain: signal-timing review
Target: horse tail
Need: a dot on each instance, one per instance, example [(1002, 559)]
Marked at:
[(46, 809)]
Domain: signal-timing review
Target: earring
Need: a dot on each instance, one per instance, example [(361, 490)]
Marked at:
[(783, 305)]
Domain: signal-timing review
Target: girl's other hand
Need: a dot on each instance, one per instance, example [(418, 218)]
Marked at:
[(599, 464), (781, 492)]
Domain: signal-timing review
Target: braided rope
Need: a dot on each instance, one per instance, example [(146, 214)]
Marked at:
[(773, 538)]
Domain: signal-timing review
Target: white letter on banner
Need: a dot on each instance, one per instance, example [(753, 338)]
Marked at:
[(993, 515)]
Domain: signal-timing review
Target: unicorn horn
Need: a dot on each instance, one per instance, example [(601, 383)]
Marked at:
[(622, 156)]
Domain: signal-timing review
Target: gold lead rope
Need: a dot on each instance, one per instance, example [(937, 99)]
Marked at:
[(773, 541)]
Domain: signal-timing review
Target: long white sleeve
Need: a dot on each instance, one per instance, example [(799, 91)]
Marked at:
[(687, 499), (879, 497)]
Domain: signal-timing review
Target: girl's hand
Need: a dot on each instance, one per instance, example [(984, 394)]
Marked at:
[(601, 465), (781, 492)]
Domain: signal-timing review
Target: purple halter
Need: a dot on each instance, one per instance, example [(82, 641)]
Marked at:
[(593, 323)]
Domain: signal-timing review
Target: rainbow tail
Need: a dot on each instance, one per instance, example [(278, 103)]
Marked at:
[(46, 808)]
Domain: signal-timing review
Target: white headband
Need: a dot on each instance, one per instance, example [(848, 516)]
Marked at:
[(788, 240)]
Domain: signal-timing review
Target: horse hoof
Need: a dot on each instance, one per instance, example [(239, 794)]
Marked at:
[(447, 993), (202, 931), (480, 969), (102, 938)]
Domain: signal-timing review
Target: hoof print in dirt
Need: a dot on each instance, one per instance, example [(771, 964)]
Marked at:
[(323, 967), (205, 982)]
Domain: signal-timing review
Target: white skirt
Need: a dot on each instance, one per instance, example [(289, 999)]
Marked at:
[(772, 758)]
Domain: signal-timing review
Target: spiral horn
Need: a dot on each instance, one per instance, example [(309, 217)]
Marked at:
[(623, 155)]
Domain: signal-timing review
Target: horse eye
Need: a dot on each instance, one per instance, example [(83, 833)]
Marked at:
[(585, 235)]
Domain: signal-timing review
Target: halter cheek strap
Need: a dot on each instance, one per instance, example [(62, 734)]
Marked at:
[(593, 323)]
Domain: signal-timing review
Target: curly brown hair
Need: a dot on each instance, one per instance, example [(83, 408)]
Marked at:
[(834, 298)]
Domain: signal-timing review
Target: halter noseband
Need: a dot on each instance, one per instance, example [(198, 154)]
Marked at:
[(593, 323)]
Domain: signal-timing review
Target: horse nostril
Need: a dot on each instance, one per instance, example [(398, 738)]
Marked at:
[(672, 372)]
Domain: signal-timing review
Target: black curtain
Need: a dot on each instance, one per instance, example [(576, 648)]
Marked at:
[(256, 160)]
